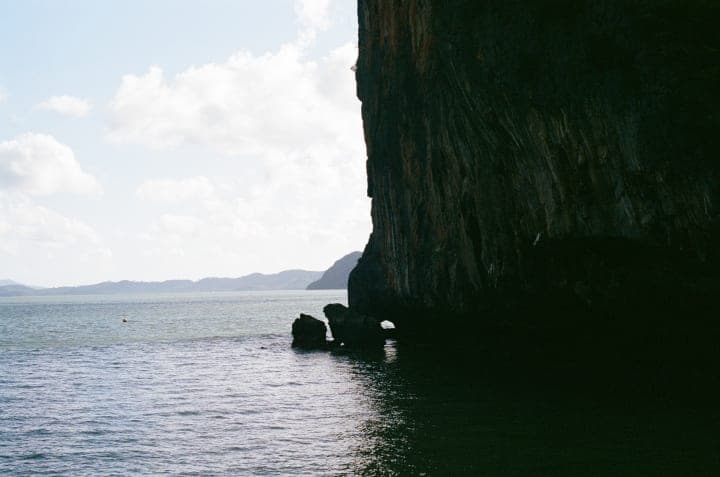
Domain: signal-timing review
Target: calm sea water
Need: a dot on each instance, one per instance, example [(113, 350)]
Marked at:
[(207, 384)]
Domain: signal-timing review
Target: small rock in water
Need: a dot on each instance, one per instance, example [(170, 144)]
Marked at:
[(124, 320), (308, 333)]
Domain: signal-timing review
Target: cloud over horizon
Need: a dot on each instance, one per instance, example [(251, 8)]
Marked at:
[(37, 165), (291, 124), (229, 220), (211, 165), (36, 238)]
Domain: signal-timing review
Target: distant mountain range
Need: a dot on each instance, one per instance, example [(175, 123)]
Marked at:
[(336, 277), (286, 280)]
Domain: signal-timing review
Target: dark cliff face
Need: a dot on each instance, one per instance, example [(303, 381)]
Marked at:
[(552, 148)]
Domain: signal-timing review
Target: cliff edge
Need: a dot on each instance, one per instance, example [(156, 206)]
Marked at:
[(543, 155)]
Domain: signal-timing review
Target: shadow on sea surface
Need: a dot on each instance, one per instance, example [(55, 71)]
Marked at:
[(440, 412)]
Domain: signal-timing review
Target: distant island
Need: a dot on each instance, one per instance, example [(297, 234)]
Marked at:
[(336, 277), (285, 280)]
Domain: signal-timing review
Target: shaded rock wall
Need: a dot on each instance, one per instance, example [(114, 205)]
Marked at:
[(550, 148)]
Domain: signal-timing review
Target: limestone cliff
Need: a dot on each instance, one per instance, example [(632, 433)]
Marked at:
[(551, 148)]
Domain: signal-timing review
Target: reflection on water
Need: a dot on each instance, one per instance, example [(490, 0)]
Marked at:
[(435, 416)]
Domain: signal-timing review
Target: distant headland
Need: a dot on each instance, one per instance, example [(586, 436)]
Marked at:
[(336, 277)]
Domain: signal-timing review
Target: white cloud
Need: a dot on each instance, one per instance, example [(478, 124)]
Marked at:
[(67, 106), (232, 224), (295, 194), (180, 225), (266, 104), (33, 237), (171, 191), (37, 164), (24, 222), (313, 14)]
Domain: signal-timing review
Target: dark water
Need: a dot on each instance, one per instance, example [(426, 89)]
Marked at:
[(207, 384)]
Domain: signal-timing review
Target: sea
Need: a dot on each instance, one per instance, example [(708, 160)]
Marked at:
[(208, 384)]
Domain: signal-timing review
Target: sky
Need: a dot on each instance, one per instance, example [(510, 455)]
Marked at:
[(151, 140)]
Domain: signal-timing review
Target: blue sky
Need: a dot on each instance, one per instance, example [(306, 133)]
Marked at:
[(162, 139)]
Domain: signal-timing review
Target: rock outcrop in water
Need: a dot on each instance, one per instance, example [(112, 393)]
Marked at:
[(540, 156), (353, 329), (309, 333), (349, 329)]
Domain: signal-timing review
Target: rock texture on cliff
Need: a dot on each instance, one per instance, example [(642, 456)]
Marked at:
[(552, 148), (336, 277)]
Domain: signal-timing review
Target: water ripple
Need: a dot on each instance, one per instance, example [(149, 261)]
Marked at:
[(208, 385)]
